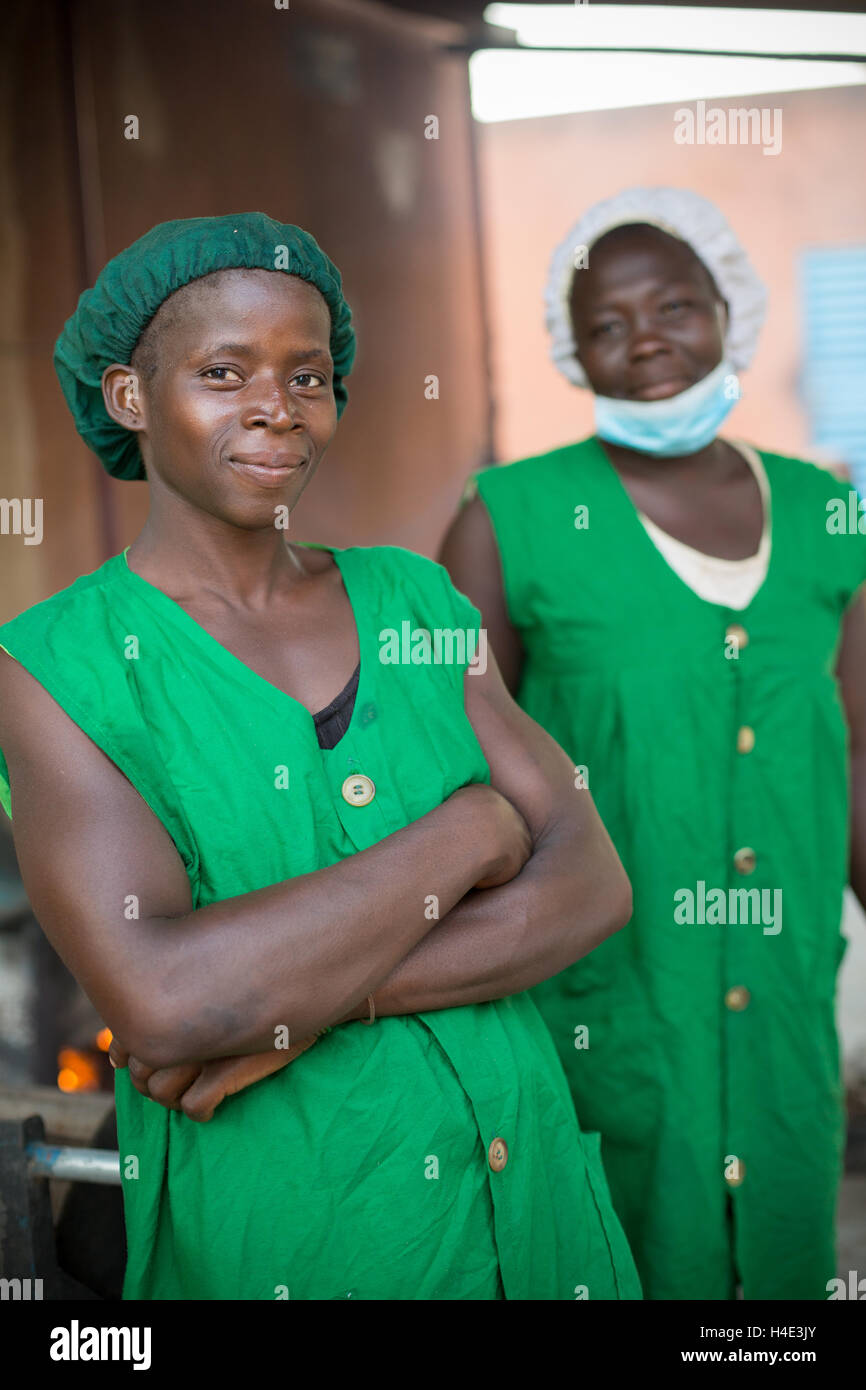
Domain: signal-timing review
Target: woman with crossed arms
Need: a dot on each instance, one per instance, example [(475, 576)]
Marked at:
[(243, 870)]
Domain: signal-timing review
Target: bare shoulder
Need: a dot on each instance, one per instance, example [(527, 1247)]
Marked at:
[(57, 774), (43, 747), (470, 553), (470, 537), (23, 701)]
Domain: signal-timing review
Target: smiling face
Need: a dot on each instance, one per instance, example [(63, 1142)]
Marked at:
[(233, 397), (648, 319)]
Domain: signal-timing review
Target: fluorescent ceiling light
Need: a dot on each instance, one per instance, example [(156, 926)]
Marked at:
[(663, 26), (509, 85)]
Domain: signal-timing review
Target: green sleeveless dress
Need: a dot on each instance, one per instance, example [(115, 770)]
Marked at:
[(433, 1156), (700, 1040)]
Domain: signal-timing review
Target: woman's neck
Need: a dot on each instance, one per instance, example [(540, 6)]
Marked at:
[(201, 555), (716, 457)]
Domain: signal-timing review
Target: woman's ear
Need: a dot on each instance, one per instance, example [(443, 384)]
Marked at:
[(574, 338), (724, 313), (121, 391)]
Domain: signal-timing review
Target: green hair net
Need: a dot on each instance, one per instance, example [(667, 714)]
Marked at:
[(111, 317)]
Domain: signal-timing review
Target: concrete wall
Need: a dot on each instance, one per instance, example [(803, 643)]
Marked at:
[(537, 176)]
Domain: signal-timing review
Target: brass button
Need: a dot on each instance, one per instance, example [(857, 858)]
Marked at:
[(745, 739), (735, 1171), (497, 1154), (738, 997), (745, 860), (358, 790), (739, 635)]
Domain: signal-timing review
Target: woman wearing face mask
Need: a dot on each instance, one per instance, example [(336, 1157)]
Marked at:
[(669, 605)]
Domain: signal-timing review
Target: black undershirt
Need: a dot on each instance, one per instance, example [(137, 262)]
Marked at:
[(333, 721)]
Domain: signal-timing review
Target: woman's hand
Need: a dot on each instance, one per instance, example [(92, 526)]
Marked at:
[(197, 1088), (508, 830)]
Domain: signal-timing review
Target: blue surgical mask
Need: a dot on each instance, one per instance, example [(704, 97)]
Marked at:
[(680, 424)]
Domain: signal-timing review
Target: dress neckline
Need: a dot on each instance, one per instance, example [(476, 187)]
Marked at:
[(644, 541), (285, 703), (720, 562)]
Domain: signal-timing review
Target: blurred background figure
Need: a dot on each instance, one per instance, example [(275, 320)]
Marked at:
[(562, 128), (621, 580)]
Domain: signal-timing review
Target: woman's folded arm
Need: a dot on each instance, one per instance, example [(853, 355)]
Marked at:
[(110, 890), (571, 894), (178, 984)]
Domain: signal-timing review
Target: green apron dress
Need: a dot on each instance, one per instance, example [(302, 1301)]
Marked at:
[(433, 1156), (702, 1048)]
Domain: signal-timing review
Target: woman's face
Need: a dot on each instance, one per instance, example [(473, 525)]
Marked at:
[(240, 407), (648, 319)]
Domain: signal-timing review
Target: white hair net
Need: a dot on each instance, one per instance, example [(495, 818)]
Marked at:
[(685, 215)]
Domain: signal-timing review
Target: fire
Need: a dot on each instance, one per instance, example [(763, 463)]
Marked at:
[(77, 1071), (103, 1039)]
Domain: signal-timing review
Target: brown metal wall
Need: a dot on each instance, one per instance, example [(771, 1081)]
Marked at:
[(40, 278), (313, 114)]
